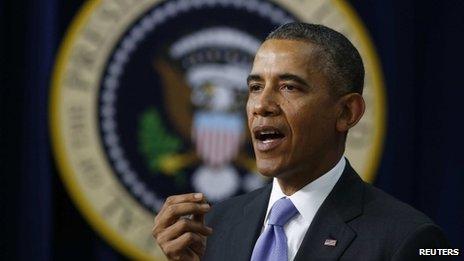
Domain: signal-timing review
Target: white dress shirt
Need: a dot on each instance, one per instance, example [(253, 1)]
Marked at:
[(307, 201)]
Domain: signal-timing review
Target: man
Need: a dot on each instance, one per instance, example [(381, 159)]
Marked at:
[(305, 93)]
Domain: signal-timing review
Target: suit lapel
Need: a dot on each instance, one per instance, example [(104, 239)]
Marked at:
[(246, 230), (329, 235)]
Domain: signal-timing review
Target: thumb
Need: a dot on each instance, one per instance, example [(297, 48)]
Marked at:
[(200, 217)]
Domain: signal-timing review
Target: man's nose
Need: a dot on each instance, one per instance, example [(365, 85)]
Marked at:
[(266, 103)]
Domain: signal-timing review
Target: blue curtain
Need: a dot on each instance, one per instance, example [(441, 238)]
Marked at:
[(420, 46), (35, 190)]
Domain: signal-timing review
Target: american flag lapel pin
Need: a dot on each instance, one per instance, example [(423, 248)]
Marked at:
[(330, 242)]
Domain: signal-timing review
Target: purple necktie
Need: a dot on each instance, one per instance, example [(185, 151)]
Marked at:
[(272, 244)]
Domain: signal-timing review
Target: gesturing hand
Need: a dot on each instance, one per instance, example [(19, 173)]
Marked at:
[(179, 227)]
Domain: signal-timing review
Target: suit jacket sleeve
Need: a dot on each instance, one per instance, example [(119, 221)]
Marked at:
[(425, 236)]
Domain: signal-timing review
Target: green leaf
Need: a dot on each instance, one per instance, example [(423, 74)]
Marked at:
[(155, 140)]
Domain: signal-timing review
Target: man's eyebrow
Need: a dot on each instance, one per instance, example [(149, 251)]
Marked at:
[(253, 77), (282, 77), (295, 78)]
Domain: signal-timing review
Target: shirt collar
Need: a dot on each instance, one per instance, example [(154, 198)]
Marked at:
[(308, 199)]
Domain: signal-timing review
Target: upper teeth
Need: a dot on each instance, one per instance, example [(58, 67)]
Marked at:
[(269, 132)]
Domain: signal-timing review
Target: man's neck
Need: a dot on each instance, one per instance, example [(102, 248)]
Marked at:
[(298, 178)]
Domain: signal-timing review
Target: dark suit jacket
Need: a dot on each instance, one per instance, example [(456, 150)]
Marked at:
[(367, 223)]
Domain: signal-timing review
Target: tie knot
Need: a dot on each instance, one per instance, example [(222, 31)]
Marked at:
[(281, 212)]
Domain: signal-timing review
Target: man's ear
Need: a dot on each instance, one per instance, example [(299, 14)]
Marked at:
[(352, 109)]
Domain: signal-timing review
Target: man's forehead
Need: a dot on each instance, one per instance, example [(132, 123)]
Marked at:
[(284, 55)]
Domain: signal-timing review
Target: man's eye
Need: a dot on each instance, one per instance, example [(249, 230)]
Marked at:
[(288, 87), (254, 87)]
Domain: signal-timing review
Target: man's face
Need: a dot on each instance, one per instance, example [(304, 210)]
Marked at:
[(291, 112)]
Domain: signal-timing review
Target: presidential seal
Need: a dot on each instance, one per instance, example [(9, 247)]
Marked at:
[(148, 100)]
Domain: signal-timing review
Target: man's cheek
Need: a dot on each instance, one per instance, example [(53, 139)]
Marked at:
[(249, 110)]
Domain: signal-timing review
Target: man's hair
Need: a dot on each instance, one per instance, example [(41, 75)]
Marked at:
[(339, 59)]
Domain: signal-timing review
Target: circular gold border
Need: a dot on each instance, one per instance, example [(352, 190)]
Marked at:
[(378, 84), (68, 175)]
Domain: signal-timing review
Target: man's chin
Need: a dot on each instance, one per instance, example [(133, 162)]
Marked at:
[(268, 169)]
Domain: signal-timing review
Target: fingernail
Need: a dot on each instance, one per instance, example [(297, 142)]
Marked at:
[(205, 206), (198, 195)]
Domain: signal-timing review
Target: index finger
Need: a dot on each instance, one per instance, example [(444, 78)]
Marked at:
[(184, 198)]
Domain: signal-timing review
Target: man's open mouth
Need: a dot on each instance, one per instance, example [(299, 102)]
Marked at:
[(267, 137)]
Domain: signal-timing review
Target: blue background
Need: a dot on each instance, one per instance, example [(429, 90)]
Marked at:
[(420, 46)]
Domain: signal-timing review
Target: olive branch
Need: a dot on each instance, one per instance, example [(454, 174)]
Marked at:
[(155, 142)]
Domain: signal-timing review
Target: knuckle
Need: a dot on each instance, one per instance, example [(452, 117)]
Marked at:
[(171, 210), (159, 238), (172, 253), (169, 250), (156, 222), (164, 249), (169, 200), (184, 223), (155, 231), (189, 236)]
